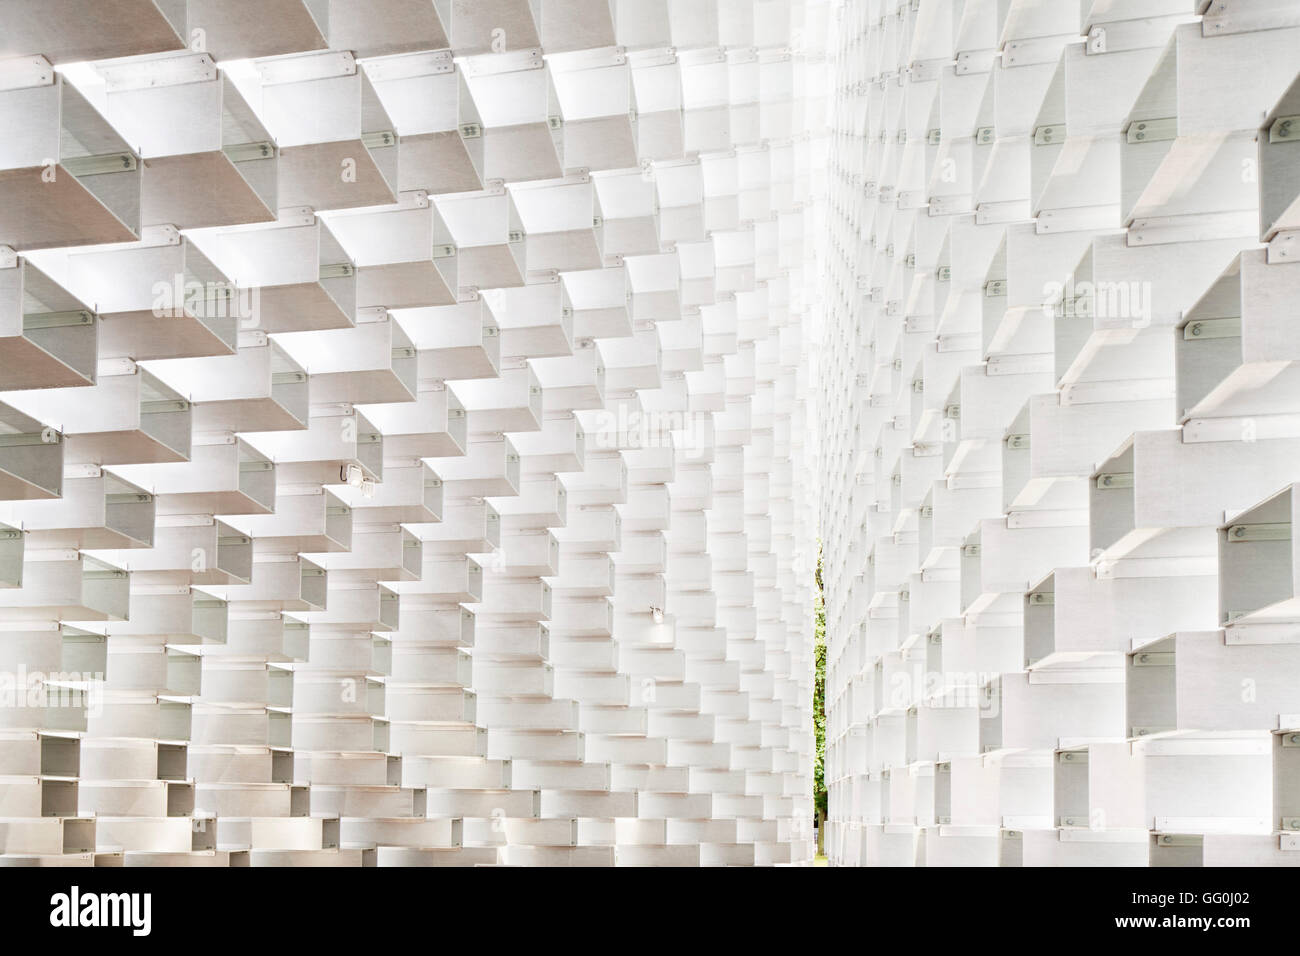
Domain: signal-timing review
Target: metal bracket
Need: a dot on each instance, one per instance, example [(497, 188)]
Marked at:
[(164, 406), (48, 437), (1028, 52), (924, 71), (247, 152), (1264, 531), (23, 72), (1049, 135), (56, 320), (115, 366), (127, 498), (160, 234), (1179, 839), (1284, 247), (1224, 19), (1147, 731), (1154, 659), (1194, 227), (1152, 130), (1023, 364), (166, 70), (1010, 210), (1229, 328), (1285, 129), (79, 166), (1114, 480), (336, 270), (301, 67), (975, 61), (410, 65)]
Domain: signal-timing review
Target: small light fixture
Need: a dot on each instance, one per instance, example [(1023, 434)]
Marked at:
[(658, 613)]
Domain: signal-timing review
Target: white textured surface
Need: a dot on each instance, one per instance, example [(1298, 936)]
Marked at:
[(463, 515), (1058, 403)]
